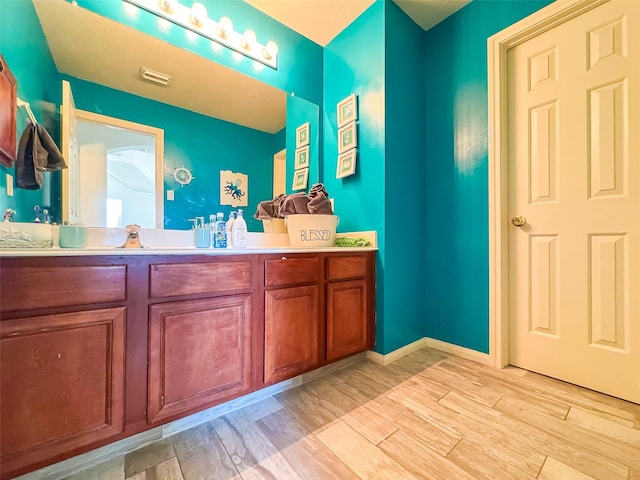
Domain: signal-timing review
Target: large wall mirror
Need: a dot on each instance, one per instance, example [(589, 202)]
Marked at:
[(213, 117)]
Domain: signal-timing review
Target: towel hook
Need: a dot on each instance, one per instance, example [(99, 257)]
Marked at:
[(22, 103)]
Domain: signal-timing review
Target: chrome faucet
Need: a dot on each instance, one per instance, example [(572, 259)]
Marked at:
[(133, 237)]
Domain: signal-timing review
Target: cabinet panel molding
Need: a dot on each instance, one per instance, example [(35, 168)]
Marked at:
[(291, 332), (291, 271), (199, 354), (347, 318), (62, 383), (339, 268), (199, 278), (24, 288)]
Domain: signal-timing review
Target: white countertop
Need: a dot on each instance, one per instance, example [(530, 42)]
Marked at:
[(180, 242)]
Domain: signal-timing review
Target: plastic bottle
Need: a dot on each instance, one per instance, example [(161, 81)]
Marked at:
[(220, 233), (232, 218), (239, 232)]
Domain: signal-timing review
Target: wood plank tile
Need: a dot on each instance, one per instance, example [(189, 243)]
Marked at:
[(419, 459), (202, 456), (260, 409), (496, 441), (482, 465), (331, 398), (306, 408), (253, 454), (531, 396), (604, 426), (110, 470), (429, 388), (371, 426), (436, 436), (561, 448), (356, 394), (146, 457), (304, 452), (167, 470), (453, 381), (605, 455), (555, 470), (634, 474), (366, 460)]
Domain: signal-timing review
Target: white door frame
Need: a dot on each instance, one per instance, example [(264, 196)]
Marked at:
[(498, 45)]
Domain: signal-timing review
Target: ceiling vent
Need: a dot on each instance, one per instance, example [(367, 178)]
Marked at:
[(155, 77)]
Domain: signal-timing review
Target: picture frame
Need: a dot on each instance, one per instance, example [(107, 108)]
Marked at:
[(302, 158), (347, 110), (302, 135), (347, 137), (300, 179), (346, 163)]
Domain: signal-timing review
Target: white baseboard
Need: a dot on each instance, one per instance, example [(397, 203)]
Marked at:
[(446, 347), (396, 354)]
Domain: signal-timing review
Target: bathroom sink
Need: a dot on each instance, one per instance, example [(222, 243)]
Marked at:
[(25, 235)]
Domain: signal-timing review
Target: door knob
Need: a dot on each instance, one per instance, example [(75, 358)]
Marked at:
[(518, 221)]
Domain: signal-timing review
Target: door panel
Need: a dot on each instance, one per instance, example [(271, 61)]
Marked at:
[(574, 174)]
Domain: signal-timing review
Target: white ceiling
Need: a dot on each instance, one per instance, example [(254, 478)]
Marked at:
[(88, 46), (322, 20)]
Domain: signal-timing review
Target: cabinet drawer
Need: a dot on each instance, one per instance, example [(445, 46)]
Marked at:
[(290, 271), (26, 288), (346, 267), (192, 278)]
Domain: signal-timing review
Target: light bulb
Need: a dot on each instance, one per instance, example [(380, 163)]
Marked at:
[(167, 5), (225, 27), (270, 50), (248, 40), (198, 14)]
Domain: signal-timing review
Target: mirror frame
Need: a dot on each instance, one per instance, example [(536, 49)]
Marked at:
[(158, 133)]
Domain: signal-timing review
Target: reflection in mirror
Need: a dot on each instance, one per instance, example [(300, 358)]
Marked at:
[(118, 169), (214, 118)]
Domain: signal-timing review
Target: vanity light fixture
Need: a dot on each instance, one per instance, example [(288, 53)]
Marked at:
[(195, 19)]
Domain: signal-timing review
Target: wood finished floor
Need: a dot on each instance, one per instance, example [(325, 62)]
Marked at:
[(427, 415)]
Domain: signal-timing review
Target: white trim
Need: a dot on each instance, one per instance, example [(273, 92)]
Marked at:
[(498, 45), (446, 347), (462, 352), (396, 354)]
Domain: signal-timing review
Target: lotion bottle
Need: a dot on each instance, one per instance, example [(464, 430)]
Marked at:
[(239, 232), (229, 228)]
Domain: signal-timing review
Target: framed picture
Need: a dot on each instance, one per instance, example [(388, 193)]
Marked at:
[(347, 137), (347, 110), (346, 164), (302, 135), (300, 178), (302, 158)]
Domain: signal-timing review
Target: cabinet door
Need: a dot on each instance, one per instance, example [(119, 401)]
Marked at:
[(347, 318), (199, 354), (62, 384), (291, 332)]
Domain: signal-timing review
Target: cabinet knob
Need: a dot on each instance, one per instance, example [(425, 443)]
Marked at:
[(283, 258)]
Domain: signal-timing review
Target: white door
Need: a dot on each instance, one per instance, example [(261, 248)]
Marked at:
[(70, 150), (279, 172), (574, 177)]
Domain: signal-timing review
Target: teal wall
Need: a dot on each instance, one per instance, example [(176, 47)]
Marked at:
[(456, 279), (203, 144), (24, 47), (404, 202), (354, 63), (299, 112)]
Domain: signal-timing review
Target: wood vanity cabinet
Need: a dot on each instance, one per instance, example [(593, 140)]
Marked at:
[(95, 349), (349, 305), (199, 349), (291, 316), (62, 360)]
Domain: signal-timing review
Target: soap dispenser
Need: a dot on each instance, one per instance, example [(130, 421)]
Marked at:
[(239, 231), (201, 232), (229, 228)]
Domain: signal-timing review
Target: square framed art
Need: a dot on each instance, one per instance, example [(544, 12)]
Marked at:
[(302, 135), (347, 137), (346, 163), (300, 179), (347, 110), (302, 158)]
